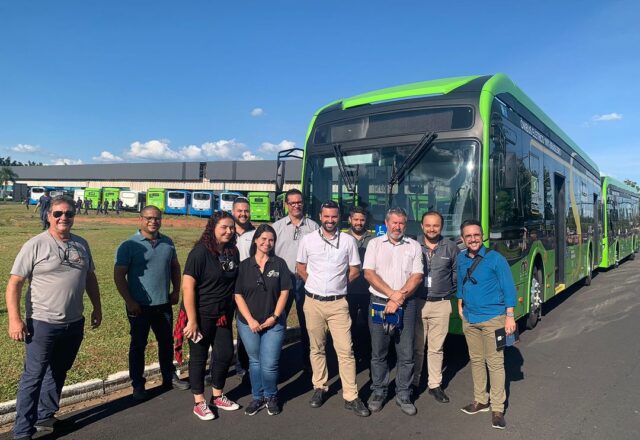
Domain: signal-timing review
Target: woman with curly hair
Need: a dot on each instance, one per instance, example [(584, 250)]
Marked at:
[(208, 285)]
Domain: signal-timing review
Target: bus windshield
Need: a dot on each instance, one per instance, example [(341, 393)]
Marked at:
[(176, 195), (446, 179), (201, 196)]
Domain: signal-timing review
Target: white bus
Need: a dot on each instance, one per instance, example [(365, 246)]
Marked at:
[(132, 200)]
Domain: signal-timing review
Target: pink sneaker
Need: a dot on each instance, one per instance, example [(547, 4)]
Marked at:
[(202, 411), (223, 403)]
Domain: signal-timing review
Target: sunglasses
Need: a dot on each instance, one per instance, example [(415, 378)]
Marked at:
[(68, 214)]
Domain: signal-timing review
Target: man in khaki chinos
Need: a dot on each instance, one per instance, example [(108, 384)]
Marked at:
[(327, 260)]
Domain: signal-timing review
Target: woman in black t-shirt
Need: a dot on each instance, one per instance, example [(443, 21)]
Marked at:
[(261, 295), (208, 283)]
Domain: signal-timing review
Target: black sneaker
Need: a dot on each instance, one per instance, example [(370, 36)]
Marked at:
[(317, 399), (497, 420), (254, 407), (439, 395), (46, 425), (140, 394), (406, 406), (357, 406), (176, 382), (273, 407), (376, 402)]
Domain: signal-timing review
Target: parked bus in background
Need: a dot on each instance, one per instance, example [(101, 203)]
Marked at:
[(6, 191), (178, 201), (156, 197), (94, 195), (132, 200), (36, 192), (260, 205), (110, 195), (621, 222), (202, 203), (226, 200), (469, 147)]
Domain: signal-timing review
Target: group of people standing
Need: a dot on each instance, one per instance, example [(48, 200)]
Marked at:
[(336, 279)]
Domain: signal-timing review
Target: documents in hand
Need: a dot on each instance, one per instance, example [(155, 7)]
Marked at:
[(503, 340)]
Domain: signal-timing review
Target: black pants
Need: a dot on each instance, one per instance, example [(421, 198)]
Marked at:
[(221, 339), (359, 313)]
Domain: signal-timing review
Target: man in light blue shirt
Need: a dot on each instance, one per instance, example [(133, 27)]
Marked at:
[(146, 265)]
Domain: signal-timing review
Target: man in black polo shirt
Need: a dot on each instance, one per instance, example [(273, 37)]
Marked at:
[(434, 302)]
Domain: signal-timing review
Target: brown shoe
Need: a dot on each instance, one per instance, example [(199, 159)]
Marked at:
[(475, 407), (497, 420)]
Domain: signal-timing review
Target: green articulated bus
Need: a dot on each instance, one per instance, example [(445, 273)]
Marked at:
[(110, 195), (260, 205), (469, 147), (156, 197), (621, 222), (93, 194)]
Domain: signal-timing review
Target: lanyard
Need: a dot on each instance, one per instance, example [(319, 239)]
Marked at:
[(337, 246)]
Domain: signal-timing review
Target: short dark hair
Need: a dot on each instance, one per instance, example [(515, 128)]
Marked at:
[(59, 200), (433, 213), (470, 222), (358, 210), (291, 192), (240, 199), (329, 204), (150, 208)]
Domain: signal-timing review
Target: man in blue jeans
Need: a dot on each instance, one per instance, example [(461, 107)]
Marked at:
[(393, 267), (59, 268), (146, 265)]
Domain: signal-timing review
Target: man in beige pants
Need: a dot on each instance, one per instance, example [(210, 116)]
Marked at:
[(434, 302), (327, 260)]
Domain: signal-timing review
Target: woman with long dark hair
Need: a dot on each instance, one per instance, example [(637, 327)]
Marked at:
[(261, 295), (208, 282)]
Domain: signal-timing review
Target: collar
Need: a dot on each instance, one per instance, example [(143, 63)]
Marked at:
[(249, 229), (254, 262), (423, 244), (482, 252), (403, 240), (288, 220), (143, 238), (366, 234)]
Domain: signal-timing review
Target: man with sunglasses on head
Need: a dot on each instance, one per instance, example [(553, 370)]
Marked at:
[(327, 261), (147, 276), (393, 267), (59, 267), (290, 230), (486, 298)]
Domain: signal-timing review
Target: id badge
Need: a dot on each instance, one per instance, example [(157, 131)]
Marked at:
[(429, 281)]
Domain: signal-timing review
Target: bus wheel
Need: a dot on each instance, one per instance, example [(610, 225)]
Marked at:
[(535, 299), (587, 279)]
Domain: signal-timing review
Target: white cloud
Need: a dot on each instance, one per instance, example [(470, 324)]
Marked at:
[(268, 147), (107, 156), (256, 112), (606, 117), (153, 149), (66, 161), (224, 149), (191, 152), (248, 155), (25, 148)]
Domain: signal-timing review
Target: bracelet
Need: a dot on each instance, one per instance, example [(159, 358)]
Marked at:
[(274, 316), (510, 315)]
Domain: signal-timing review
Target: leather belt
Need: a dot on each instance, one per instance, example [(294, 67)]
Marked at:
[(323, 297), (434, 298)]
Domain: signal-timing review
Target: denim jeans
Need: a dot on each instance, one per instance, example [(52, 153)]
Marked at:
[(51, 350), (264, 350), (297, 294), (160, 320), (404, 344)]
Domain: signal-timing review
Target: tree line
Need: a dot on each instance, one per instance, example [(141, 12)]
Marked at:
[(8, 162)]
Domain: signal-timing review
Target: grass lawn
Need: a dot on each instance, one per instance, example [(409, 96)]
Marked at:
[(105, 350)]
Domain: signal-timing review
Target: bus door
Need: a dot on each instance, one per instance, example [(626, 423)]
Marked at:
[(597, 231), (560, 226)]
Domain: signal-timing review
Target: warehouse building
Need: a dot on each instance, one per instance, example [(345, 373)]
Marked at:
[(257, 175)]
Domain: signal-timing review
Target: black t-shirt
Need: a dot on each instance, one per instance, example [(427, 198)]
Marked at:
[(261, 290), (215, 278)]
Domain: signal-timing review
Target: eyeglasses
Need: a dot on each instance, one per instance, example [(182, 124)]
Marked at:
[(296, 233), (68, 214), (467, 237), (329, 204), (295, 203), (150, 219)]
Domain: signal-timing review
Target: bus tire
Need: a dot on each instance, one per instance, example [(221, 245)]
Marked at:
[(587, 280), (536, 295)]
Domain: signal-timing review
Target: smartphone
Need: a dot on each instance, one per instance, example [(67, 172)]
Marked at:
[(197, 338)]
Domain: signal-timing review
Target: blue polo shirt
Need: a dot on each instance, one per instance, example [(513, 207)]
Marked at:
[(494, 291), (149, 267)]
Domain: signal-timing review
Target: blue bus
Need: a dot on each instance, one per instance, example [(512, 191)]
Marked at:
[(178, 201), (202, 203), (226, 199), (35, 192)]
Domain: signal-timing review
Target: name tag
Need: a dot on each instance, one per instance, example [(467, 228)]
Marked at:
[(429, 281)]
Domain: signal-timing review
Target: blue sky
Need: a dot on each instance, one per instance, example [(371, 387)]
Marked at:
[(85, 81)]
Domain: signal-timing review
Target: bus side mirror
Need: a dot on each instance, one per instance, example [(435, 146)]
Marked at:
[(510, 171)]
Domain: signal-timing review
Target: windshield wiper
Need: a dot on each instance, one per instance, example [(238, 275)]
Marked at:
[(410, 162), (347, 178)]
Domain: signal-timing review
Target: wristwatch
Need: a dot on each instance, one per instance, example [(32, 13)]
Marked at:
[(510, 315), (274, 316)]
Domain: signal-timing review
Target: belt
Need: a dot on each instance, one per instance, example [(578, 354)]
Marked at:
[(436, 298), (322, 297)]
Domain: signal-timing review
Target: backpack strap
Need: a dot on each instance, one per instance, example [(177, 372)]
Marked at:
[(476, 260)]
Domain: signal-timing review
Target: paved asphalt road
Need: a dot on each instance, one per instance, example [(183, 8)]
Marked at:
[(576, 376)]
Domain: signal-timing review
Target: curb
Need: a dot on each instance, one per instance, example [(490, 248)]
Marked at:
[(94, 388)]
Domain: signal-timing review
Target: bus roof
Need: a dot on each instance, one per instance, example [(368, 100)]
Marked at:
[(608, 180), (493, 85)]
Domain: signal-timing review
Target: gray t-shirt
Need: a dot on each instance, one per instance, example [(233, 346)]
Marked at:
[(289, 236), (57, 273)]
